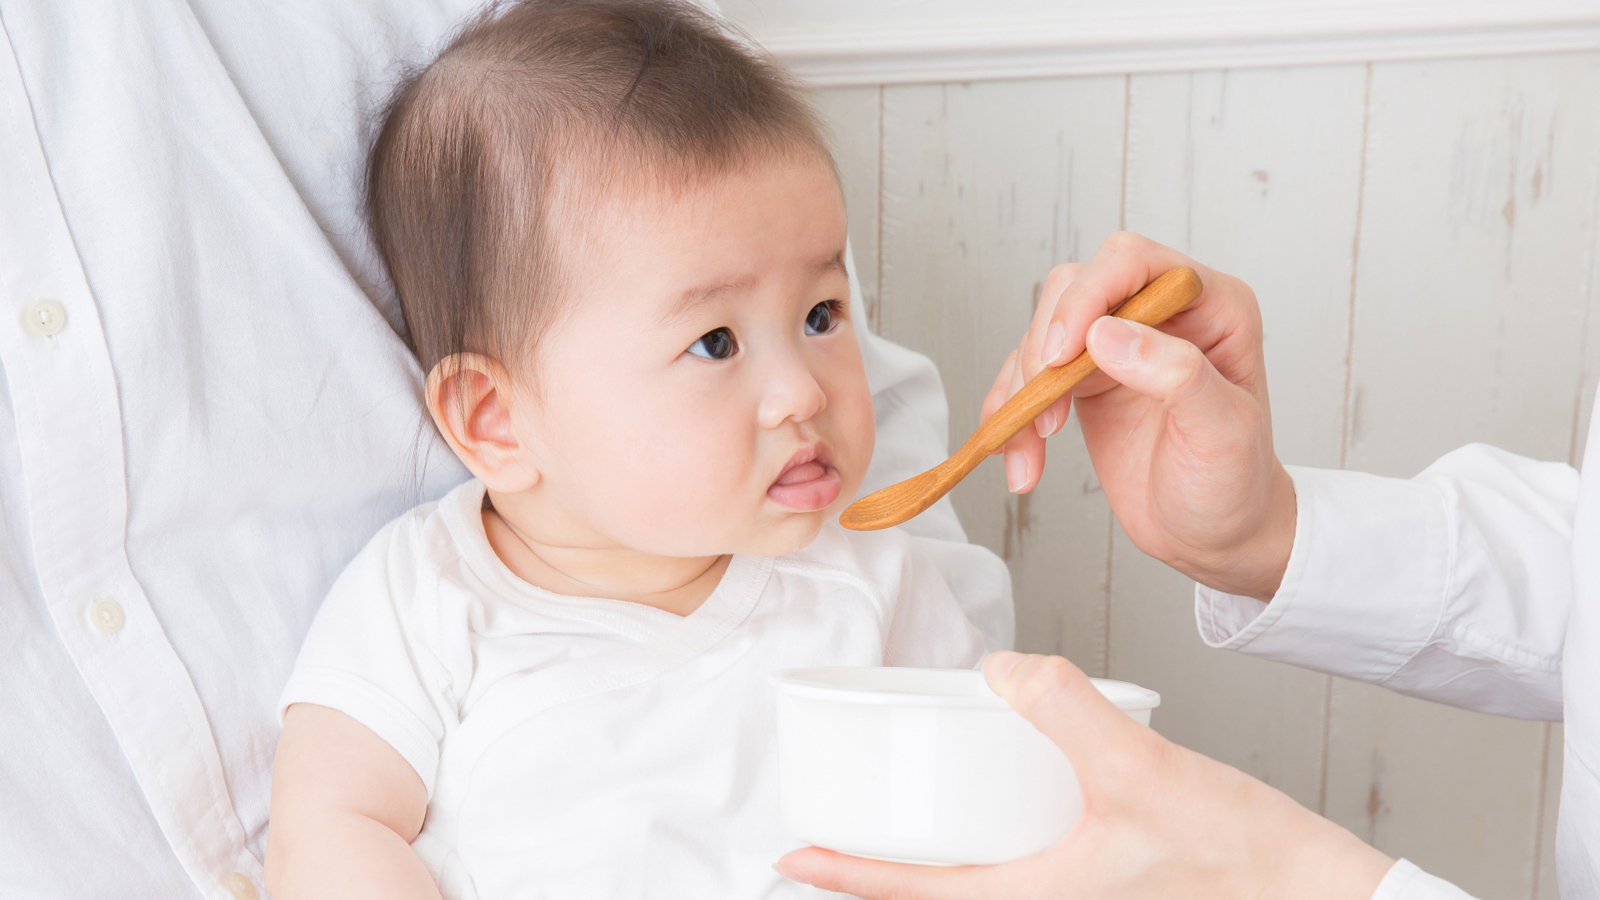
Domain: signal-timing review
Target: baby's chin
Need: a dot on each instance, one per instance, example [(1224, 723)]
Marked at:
[(793, 531)]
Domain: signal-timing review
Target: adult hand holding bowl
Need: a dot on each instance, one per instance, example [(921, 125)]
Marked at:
[(1158, 820), (923, 766)]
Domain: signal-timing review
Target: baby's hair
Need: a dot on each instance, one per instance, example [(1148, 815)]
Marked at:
[(495, 150)]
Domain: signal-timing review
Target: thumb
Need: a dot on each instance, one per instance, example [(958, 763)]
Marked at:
[(1063, 704), (1169, 370), (878, 880)]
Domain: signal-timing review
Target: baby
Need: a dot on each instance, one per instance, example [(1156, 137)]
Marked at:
[(618, 240)]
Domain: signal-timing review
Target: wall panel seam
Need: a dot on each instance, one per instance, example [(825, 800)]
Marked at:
[(1111, 520), (1355, 268), (1127, 118), (1575, 446), (1544, 798)]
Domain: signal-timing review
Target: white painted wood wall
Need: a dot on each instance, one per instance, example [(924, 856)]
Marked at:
[(1421, 236)]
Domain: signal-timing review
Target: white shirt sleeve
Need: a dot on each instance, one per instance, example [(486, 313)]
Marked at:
[(1453, 586), (1407, 882), (913, 422)]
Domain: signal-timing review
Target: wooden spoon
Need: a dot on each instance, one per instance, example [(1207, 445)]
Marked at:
[(1160, 300)]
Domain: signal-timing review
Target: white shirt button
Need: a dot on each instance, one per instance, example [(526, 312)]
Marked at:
[(241, 887), (45, 317), (106, 616)]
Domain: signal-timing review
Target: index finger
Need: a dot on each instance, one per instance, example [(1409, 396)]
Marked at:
[(1125, 263)]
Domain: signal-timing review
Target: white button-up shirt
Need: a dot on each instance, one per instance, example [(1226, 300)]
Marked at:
[(1476, 584), (206, 410)]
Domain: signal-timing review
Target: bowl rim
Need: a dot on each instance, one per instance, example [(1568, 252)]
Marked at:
[(804, 682)]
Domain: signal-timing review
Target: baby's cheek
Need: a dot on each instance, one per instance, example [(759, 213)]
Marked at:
[(686, 492), (858, 433)]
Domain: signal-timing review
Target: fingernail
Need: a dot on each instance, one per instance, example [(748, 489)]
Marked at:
[(1046, 423), (1114, 340), (789, 873), (1016, 471), (1055, 340), (999, 665)]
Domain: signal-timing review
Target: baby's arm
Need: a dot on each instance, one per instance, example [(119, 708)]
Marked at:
[(345, 808)]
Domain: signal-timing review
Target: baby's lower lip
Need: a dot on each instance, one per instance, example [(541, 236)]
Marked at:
[(806, 488)]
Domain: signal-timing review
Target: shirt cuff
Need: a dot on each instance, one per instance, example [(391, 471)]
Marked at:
[(1407, 882), (1364, 589)]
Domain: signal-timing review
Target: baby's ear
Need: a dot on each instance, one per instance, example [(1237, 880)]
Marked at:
[(469, 397)]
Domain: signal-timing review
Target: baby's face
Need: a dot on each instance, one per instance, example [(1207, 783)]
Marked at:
[(702, 391)]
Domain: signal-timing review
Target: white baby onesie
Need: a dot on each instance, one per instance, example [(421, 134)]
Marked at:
[(597, 749)]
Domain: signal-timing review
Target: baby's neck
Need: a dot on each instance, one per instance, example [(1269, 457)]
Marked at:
[(674, 584)]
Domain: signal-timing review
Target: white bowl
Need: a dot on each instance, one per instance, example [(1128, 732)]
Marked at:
[(923, 765)]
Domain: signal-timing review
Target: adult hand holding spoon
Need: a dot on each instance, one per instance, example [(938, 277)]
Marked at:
[(1177, 421), (1152, 305)]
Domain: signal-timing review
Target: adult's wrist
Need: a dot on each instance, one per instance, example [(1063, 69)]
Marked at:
[(1255, 566), (1332, 864)]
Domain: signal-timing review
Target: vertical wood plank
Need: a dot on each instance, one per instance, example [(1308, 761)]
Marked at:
[(985, 187), (1546, 884), (1469, 316), (851, 114), (1256, 172), (1228, 167)]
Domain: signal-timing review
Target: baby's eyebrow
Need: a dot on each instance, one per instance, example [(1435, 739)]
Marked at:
[(692, 298), (698, 296)]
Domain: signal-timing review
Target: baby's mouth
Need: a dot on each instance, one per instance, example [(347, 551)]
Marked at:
[(808, 483)]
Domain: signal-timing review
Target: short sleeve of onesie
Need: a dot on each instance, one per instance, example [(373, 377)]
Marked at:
[(368, 655)]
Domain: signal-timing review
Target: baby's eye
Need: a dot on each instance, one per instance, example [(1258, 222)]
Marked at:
[(717, 344), (822, 316)]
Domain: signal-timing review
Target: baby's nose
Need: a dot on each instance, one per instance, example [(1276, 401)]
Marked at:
[(794, 392)]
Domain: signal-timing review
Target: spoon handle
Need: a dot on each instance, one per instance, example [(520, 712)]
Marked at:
[(1158, 301)]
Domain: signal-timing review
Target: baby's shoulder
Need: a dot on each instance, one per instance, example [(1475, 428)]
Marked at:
[(411, 558)]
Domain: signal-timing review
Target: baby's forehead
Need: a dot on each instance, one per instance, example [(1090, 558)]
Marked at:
[(615, 183), (794, 198)]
